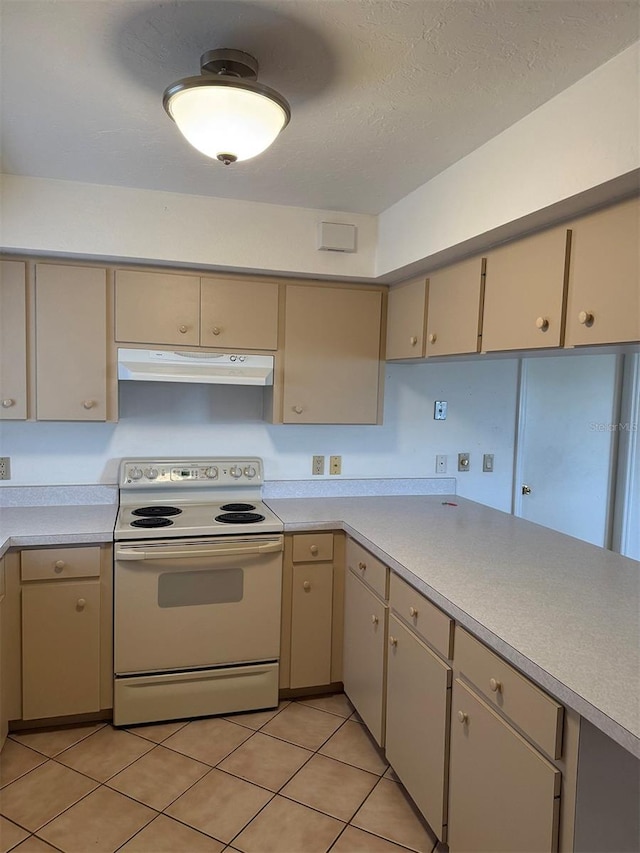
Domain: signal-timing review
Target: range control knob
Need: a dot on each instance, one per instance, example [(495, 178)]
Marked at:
[(211, 473), (135, 473), (250, 472), (151, 473), (235, 472)]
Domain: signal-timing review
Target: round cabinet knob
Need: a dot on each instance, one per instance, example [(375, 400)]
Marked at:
[(393, 641), (59, 565), (306, 585), (586, 318), (542, 323), (297, 409), (216, 330), (314, 549), (236, 472), (6, 404), (413, 340), (183, 329), (462, 717), (135, 473), (495, 685), (88, 404), (374, 619), (362, 566), (80, 603), (250, 472), (211, 473), (413, 612), (433, 338), (151, 473)]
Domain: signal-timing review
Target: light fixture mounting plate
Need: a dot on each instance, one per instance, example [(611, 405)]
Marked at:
[(230, 63)]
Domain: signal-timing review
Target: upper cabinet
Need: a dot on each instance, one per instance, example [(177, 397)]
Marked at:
[(71, 343), (166, 308), (332, 355), (406, 316), (13, 341), (525, 291), (604, 277), (455, 308)]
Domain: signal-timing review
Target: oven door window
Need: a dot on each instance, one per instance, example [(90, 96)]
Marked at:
[(191, 589)]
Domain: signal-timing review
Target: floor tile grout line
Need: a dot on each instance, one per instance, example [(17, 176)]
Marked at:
[(11, 736)]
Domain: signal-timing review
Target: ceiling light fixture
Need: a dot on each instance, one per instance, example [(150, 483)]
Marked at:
[(225, 113)]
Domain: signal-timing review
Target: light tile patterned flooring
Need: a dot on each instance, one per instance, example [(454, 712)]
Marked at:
[(305, 778)]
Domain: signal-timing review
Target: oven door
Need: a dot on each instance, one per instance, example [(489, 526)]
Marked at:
[(189, 604)]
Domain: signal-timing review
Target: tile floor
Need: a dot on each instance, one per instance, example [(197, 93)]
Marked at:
[(305, 778)]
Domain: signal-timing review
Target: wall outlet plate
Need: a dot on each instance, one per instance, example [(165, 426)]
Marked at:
[(463, 462), (5, 467), (441, 464), (335, 464), (317, 466), (440, 410)]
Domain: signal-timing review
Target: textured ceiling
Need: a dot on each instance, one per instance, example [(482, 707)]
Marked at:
[(384, 94)]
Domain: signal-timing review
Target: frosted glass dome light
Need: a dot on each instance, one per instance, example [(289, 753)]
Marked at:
[(225, 113)]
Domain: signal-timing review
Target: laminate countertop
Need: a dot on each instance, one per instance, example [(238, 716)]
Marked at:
[(564, 612)]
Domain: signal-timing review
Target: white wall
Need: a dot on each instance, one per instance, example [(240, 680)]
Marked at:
[(584, 137), (190, 420)]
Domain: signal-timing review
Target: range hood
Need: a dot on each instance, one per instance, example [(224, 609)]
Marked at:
[(212, 368)]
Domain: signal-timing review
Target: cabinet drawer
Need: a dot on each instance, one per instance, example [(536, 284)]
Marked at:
[(312, 547), (428, 621), (48, 563), (537, 715), (367, 567)]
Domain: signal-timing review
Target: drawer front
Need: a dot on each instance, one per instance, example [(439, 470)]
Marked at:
[(427, 620), (51, 563), (368, 568), (537, 715), (312, 547)]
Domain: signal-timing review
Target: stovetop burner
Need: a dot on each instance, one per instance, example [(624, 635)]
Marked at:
[(240, 517), (152, 522), (154, 511), (237, 507)]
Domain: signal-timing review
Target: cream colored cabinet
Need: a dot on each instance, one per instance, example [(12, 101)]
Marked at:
[(417, 721), (168, 308), (13, 341), (406, 316), (3, 702), (365, 638), (239, 314), (332, 355), (604, 277), (525, 287), (71, 343), (66, 615), (454, 315)]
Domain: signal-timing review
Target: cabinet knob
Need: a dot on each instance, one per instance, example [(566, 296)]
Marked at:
[(362, 566), (542, 323), (462, 717), (313, 549), (413, 340), (413, 612), (393, 641), (526, 490), (306, 585), (216, 330), (433, 338), (183, 329), (495, 685), (59, 565), (374, 619), (80, 603), (6, 404), (586, 318), (88, 404), (297, 409)]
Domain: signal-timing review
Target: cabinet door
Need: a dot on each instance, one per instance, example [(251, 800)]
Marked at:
[(3, 714), (604, 277), (239, 314), (406, 315), (13, 341), (417, 738), (60, 648), (311, 616), (525, 286), (71, 343), (364, 662), (157, 308), (503, 795), (332, 355), (454, 317)]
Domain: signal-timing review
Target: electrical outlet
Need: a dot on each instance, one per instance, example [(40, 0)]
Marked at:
[(317, 466), (5, 468), (487, 463), (463, 462), (439, 410), (441, 464), (335, 464)]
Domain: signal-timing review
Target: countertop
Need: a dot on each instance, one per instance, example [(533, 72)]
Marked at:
[(564, 612)]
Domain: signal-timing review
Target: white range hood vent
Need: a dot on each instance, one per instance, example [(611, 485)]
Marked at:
[(210, 368)]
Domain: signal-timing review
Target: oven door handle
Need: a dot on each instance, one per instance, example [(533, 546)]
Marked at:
[(186, 551)]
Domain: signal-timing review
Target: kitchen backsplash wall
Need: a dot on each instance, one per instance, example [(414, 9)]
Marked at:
[(190, 420)]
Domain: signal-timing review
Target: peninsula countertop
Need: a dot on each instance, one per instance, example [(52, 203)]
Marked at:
[(564, 612)]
